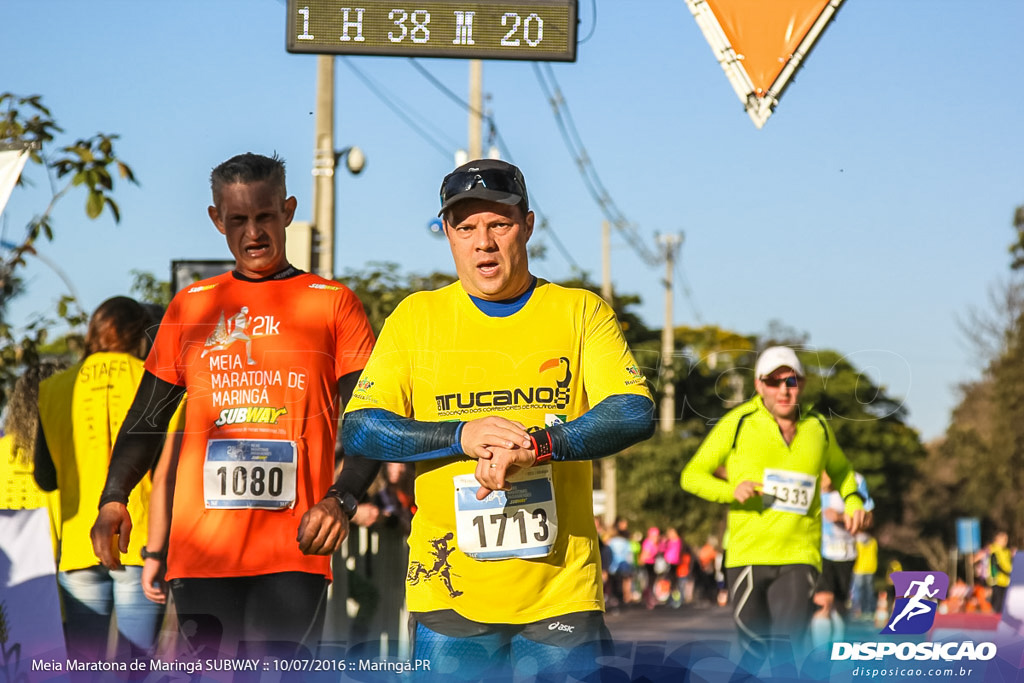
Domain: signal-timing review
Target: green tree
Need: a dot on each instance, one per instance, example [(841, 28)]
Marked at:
[(89, 164), (1006, 460), (381, 286), (713, 374), (1017, 248), (952, 481), (977, 468), (870, 426), (149, 289), (649, 491)]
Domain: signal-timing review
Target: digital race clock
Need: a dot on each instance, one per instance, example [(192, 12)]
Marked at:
[(539, 30)]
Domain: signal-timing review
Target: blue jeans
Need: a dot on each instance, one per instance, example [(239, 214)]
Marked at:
[(863, 594), (92, 595)]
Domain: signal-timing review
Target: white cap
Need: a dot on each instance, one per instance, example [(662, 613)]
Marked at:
[(775, 357)]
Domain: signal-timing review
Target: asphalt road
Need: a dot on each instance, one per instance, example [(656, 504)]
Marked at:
[(689, 623), (697, 643)]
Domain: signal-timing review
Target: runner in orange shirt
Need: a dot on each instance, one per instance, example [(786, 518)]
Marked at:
[(268, 355)]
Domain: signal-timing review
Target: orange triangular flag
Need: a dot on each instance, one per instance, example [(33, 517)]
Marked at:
[(761, 43)]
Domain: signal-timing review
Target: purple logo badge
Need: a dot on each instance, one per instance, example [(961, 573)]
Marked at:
[(917, 600)]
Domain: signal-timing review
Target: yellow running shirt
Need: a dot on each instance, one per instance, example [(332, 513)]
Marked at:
[(440, 358)]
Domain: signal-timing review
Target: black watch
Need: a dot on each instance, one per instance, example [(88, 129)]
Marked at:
[(147, 555), (348, 502)]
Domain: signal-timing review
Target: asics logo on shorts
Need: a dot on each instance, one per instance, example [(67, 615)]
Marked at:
[(559, 626)]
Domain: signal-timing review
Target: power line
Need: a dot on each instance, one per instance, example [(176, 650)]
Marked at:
[(436, 82), (687, 293), (593, 26), (390, 102), (489, 118), (550, 232), (591, 179), (574, 143)]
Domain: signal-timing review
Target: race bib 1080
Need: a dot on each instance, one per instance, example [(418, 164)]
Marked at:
[(249, 473), (521, 522)]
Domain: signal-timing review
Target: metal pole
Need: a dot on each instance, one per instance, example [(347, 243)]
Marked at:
[(476, 108), (668, 397), (606, 261), (609, 466), (323, 167)]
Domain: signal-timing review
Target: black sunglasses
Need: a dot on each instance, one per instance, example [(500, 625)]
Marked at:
[(498, 180), (775, 382)]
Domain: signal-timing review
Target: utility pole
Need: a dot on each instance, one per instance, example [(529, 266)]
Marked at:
[(671, 244), (476, 108), (323, 167), (609, 475), (606, 261)]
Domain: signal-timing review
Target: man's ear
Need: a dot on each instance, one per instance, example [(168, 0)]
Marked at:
[(215, 217), (530, 218), (290, 205)]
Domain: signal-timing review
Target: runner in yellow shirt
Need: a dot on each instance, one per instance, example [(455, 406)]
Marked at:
[(502, 388)]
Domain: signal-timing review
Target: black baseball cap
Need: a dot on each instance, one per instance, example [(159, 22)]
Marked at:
[(490, 179)]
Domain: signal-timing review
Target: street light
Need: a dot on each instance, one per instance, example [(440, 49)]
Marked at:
[(355, 160), (324, 165)]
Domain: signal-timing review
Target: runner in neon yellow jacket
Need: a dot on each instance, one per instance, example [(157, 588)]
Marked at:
[(772, 454)]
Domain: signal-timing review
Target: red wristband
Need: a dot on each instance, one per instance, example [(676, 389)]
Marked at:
[(542, 448)]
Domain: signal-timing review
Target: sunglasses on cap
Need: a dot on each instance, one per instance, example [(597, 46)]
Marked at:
[(509, 181), (775, 382)]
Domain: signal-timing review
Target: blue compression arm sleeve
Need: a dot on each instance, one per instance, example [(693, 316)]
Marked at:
[(382, 435), (610, 426), (613, 424)]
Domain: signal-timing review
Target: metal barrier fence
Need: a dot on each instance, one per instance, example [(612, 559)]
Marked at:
[(366, 602)]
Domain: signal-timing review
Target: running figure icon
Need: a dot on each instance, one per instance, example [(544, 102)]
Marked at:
[(228, 332), (915, 605), (441, 566)]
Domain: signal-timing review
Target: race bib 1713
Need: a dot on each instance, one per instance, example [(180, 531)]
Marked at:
[(521, 522)]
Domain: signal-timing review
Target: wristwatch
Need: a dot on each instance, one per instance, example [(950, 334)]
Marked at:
[(542, 446), (347, 500), (154, 555)]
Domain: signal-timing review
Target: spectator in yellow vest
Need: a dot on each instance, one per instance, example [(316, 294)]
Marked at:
[(1000, 567), (80, 410), (864, 568)]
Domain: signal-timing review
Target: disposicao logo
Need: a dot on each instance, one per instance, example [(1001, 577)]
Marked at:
[(915, 612), (917, 600)]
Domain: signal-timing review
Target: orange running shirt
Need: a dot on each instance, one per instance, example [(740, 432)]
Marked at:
[(260, 362)]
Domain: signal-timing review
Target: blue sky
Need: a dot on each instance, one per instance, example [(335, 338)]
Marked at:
[(872, 211)]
